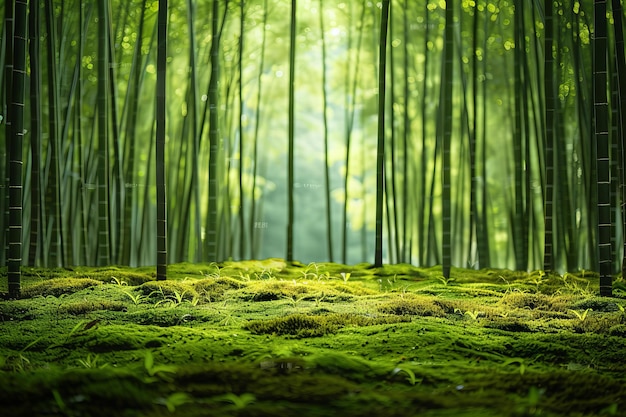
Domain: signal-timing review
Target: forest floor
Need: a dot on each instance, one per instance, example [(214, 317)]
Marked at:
[(270, 338)]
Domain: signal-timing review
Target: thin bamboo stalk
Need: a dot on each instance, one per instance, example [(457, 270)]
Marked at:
[(290, 132), (445, 110), (161, 220), (14, 251), (380, 150), (35, 139), (329, 233), (601, 134)]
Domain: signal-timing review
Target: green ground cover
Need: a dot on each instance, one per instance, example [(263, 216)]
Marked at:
[(268, 338)]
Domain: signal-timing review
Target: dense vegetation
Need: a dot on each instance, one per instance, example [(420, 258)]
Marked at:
[(409, 147), (485, 146), (269, 338)]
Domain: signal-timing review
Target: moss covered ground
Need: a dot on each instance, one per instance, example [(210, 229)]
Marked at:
[(270, 338)]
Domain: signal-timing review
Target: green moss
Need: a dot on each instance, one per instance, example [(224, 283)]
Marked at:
[(268, 337), (87, 306), (58, 286), (409, 304), (303, 325), (166, 317), (274, 289), (213, 289), (298, 325), (537, 301), (168, 292)]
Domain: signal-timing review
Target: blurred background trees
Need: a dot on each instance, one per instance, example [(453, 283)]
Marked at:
[(491, 97)]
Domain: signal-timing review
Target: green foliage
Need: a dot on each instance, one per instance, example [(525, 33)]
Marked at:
[(302, 325), (297, 325), (238, 402), (175, 400), (214, 289), (520, 362), (169, 292), (87, 306), (581, 316), (403, 349), (92, 362), (410, 304), (59, 286), (155, 371), (408, 374)]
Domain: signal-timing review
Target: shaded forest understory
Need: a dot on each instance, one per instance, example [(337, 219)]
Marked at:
[(261, 338)]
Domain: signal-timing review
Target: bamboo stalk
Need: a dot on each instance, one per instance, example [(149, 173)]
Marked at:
[(380, 151), (14, 251), (161, 220)]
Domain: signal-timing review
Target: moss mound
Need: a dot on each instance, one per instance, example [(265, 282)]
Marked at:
[(267, 338), (305, 325), (59, 286)]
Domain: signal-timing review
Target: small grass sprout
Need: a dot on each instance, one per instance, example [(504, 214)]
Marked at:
[(60, 403), (91, 362), (266, 273), (294, 300), (244, 278), (157, 372), (228, 319), (175, 299), (318, 299), (239, 402), (471, 314), (409, 375), (174, 400), (218, 271), (135, 298), (444, 280), (118, 281), (74, 330), (19, 362), (345, 276), (574, 286), (581, 316), (519, 361), (311, 270)]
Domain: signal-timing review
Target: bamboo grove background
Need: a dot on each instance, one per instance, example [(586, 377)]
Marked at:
[(471, 133)]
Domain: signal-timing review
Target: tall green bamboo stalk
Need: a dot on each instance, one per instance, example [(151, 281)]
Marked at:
[(8, 91), (422, 227), (475, 222), (161, 220), (586, 148), (14, 253), (211, 228), (329, 234), (104, 229), (520, 232), (601, 135), (290, 131), (255, 152), (240, 60), (35, 236), (129, 250), (349, 114), (52, 200), (550, 98), (620, 58), (380, 149), (405, 251), (445, 111), (391, 178)]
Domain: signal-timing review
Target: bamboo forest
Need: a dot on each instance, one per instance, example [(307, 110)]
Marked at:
[(312, 207)]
